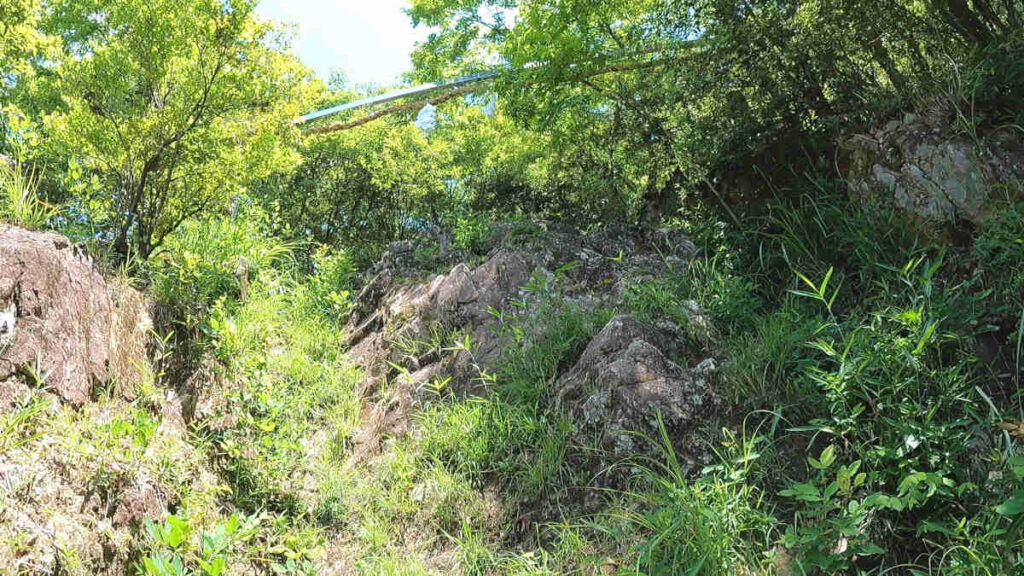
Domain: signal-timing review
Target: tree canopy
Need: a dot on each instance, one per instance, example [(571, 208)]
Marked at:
[(698, 87), (163, 110)]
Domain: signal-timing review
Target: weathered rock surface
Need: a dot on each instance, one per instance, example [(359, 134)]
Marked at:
[(922, 165), (77, 484), (65, 323), (389, 325), (624, 380), (394, 317)]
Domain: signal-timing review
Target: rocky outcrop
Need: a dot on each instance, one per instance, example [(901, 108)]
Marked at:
[(390, 325), (624, 382), (397, 324), (921, 164), (65, 325), (76, 485)]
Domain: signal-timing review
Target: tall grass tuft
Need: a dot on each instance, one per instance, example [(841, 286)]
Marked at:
[(19, 203)]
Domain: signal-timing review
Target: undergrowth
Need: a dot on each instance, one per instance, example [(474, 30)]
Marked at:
[(848, 339), (865, 436)]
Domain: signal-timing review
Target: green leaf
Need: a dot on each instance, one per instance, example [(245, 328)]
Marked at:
[(802, 492), (807, 281), (152, 530), (869, 549), (1012, 507), (1017, 466), (824, 284), (804, 293), (926, 337), (213, 568), (828, 456), (231, 525), (831, 490)]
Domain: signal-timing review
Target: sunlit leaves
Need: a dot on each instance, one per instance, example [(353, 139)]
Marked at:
[(173, 106)]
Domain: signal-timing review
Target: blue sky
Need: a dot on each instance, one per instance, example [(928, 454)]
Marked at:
[(369, 39)]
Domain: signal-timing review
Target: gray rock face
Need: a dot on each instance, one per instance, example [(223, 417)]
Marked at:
[(63, 321), (628, 363), (389, 324), (921, 165), (623, 381)]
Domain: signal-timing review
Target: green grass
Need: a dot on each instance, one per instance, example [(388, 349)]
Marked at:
[(857, 351), (863, 439), (864, 436), (19, 202), (882, 367)]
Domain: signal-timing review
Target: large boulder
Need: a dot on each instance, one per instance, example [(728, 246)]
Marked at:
[(63, 323), (76, 485), (463, 299), (923, 165), (624, 382)]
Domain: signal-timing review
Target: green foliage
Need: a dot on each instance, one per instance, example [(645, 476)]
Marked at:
[(172, 111), (875, 362), (364, 188), (20, 41), (638, 97), (19, 204), (327, 291), (20, 424), (546, 338), (993, 80), (708, 298), (516, 436), (274, 330), (716, 524), (163, 129), (471, 233), (999, 252), (767, 359), (832, 534), (294, 376), (205, 261), (177, 548)]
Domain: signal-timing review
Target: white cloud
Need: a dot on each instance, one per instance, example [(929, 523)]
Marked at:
[(369, 39)]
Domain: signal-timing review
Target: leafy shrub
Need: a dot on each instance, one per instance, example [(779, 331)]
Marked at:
[(327, 291), (999, 252), (903, 410), (177, 547), (207, 260), (471, 232)]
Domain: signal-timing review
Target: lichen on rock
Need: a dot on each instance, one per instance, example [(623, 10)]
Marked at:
[(924, 166)]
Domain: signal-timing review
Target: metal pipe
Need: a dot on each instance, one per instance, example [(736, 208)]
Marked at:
[(396, 95), (456, 83)]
